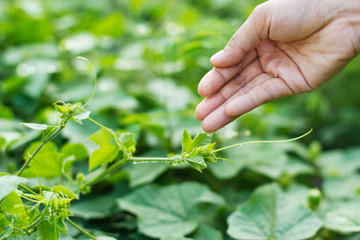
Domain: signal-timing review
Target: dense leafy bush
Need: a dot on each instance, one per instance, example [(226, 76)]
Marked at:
[(149, 56)]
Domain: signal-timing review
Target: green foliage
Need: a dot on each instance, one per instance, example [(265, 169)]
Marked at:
[(269, 215), (48, 230), (170, 210), (197, 151), (9, 184), (108, 149), (13, 205), (343, 221), (149, 56)]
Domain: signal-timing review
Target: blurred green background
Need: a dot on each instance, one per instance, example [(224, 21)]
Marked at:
[(149, 56)]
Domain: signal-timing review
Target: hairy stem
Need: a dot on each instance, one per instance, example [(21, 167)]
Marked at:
[(123, 148), (49, 138), (80, 229)]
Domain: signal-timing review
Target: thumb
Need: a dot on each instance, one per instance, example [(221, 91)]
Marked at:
[(248, 36)]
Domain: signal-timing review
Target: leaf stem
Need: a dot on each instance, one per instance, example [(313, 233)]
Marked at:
[(109, 170), (80, 229), (40, 218), (153, 159), (36, 222), (49, 138), (123, 148), (270, 141), (27, 189), (122, 162)]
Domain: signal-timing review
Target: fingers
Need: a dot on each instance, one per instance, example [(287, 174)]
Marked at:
[(271, 89), (262, 89), (216, 78), (211, 103), (216, 120), (249, 35)]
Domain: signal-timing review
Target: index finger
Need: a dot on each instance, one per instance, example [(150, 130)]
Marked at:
[(247, 37)]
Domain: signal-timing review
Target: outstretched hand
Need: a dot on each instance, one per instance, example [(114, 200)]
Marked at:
[(285, 47)]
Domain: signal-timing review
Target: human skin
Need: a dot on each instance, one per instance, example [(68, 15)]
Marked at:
[(285, 47)]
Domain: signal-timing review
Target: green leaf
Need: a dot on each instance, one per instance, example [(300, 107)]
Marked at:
[(344, 221), (108, 149), (64, 191), (170, 210), (47, 148), (196, 162), (112, 25), (206, 232), (12, 204), (80, 115), (186, 142), (48, 165), (94, 208), (77, 150), (201, 139), (266, 159), (6, 233), (35, 126), (175, 237), (341, 187), (140, 174), (339, 163), (9, 184), (128, 140), (2, 143), (4, 222), (189, 144), (269, 214), (60, 225), (197, 151), (47, 230), (104, 238)]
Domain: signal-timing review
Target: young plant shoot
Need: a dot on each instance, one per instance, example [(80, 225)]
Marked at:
[(26, 208)]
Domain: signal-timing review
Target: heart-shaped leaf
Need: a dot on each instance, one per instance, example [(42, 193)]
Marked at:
[(270, 214), (170, 210)]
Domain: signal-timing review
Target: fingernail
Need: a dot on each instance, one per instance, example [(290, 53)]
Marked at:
[(217, 55)]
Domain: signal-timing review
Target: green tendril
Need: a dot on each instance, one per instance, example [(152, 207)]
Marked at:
[(270, 141), (95, 79)]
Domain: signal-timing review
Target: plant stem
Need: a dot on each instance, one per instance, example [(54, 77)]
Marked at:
[(153, 159), (123, 148), (105, 173), (122, 162), (271, 141), (49, 138), (80, 229), (27, 189), (36, 222)]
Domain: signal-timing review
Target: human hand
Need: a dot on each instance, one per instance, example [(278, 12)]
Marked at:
[(285, 47)]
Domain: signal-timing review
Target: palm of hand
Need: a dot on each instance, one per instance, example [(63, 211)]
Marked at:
[(273, 70)]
